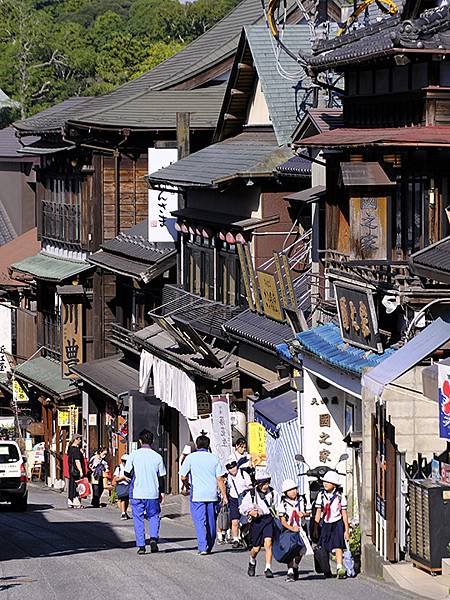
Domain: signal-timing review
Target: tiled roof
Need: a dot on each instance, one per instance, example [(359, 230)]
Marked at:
[(158, 109), (7, 231), (433, 262), (110, 375), (10, 145), (416, 135), (130, 253), (25, 245), (54, 118), (45, 374), (258, 330), (297, 165), (326, 343), (49, 268), (326, 118), (287, 100), (430, 31), (160, 343), (254, 153)]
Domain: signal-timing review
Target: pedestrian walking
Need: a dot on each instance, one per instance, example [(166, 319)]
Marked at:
[(259, 506), (292, 512), (241, 455), (331, 513), (99, 475), (203, 471), (238, 483), (145, 468), (122, 486), (76, 471)]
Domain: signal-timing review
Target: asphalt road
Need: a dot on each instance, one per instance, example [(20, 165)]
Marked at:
[(54, 553)]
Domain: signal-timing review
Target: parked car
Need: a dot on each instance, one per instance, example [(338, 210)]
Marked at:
[(13, 476)]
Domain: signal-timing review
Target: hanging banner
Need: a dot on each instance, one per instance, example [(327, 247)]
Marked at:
[(444, 401), (257, 442), (72, 337), (221, 427), (161, 203), (64, 416)]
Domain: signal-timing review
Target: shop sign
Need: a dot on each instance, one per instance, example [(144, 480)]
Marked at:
[(445, 474), (444, 400), (269, 294), (19, 392), (221, 427), (161, 203), (64, 416), (357, 317), (72, 337), (257, 442)]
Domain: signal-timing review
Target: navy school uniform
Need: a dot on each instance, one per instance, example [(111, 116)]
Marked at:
[(332, 525), (261, 527)]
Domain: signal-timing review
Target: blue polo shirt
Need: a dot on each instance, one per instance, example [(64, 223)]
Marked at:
[(148, 467), (204, 469)]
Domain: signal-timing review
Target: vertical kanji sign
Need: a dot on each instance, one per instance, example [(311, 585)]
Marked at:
[(71, 336), (221, 427)]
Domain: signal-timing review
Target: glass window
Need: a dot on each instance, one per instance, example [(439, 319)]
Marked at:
[(61, 210)]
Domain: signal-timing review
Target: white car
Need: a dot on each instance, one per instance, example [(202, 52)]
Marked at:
[(13, 476)]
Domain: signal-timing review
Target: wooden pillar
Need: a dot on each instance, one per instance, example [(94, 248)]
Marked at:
[(183, 134), (117, 191)]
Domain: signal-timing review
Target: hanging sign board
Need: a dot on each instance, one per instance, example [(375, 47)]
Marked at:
[(269, 294), (72, 337), (19, 391), (357, 317), (161, 203), (257, 442)]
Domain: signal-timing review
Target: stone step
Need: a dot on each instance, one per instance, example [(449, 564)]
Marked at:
[(416, 581)]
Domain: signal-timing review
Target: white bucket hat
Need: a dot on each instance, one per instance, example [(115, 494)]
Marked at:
[(332, 477), (289, 484), (263, 476)]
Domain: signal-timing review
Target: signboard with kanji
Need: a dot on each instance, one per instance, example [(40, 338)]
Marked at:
[(269, 294), (72, 336), (221, 427), (19, 391), (357, 317), (161, 203), (257, 442)]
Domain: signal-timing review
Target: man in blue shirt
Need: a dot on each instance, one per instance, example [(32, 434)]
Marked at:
[(146, 467), (206, 475)]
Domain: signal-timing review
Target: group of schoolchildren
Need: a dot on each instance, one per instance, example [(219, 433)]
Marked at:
[(256, 511)]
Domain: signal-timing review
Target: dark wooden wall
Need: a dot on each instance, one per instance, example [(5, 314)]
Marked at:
[(133, 194)]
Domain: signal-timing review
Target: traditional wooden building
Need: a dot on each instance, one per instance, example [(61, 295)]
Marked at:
[(384, 202)]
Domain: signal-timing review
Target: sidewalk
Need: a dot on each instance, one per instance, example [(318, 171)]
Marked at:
[(420, 583)]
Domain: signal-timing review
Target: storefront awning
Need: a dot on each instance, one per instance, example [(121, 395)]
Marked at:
[(46, 374), (425, 343), (110, 376), (312, 194), (270, 412), (49, 268), (363, 174)]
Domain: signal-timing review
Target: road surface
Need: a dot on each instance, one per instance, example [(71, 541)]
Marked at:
[(50, 553)]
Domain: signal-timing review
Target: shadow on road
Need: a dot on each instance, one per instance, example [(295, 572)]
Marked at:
[(13, 581)]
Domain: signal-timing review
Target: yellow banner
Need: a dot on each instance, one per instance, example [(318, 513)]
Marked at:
[(257, 443)]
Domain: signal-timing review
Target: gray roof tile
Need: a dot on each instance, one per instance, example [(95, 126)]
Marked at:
[(254, 152)]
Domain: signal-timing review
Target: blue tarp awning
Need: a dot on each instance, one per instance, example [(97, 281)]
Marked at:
[(425, 343), (270, 412), (325, 342)]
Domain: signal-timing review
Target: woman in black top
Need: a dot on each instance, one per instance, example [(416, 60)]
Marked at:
[(76, 470)]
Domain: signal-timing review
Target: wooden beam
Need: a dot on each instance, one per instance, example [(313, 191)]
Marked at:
[(245, 67), (183, 134)]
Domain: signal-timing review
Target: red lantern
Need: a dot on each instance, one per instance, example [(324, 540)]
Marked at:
[(229, 238)]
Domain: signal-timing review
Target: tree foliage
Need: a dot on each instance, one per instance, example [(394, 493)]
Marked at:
[(51, 50)]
